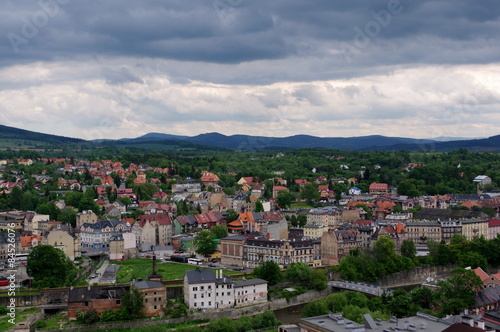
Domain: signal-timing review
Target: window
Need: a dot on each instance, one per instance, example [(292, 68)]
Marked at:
[(194, 295), (195, 304), (202, 303), (202, 295), (195, 289), (155, 307), (209, 303), (228, 293), (202, 287), (209, 287), (222, 294)]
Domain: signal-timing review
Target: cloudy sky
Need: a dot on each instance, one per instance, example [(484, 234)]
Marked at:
[(122, 68)]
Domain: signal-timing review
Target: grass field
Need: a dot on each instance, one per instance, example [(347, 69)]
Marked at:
[(143, 267), (21, 315)]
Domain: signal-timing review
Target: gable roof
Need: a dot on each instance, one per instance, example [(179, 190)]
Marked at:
[(200, 276)]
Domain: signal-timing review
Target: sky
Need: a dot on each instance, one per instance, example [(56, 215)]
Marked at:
[(121, 68)]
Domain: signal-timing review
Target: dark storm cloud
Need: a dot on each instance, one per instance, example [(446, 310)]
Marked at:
[(222, 31)]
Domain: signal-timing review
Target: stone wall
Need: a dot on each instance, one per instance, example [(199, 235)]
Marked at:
[(416, 276)]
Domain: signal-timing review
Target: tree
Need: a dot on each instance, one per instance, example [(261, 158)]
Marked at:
[(269, 271), (310, 193), (423, 297), (16, 197), (473, 260), (315, 308), (408, 249), (231, 216), (284, 199), (219, 231), (258, 206), (384, 249), (300, 273), (204, 243), (133, 304), (49, 267), (457, 292)]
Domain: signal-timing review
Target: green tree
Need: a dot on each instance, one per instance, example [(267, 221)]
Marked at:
[(49, 267), (133, 304), (300, 273), (310, 193), (423, 297), (315, 308), (269, 271), (457, 292), (473, 260), (219, 231), (16, 197), (224, 324), (408, 249), (284, 199), (258, 206), (204, 243), (232, 215), (384, 249)]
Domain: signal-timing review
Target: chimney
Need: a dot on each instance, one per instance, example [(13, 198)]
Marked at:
[(154, 264)]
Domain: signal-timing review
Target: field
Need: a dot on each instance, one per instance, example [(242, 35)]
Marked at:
[(142, 267), (21, 315)]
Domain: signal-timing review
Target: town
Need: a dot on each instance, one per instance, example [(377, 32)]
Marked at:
[(228, 227)]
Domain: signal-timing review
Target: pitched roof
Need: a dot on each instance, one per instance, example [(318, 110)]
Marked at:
[(144, 284), (480, 273), (200, 276), (85, 294)]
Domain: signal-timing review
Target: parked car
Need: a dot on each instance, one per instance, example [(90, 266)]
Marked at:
[(238, 268), (211, 265)]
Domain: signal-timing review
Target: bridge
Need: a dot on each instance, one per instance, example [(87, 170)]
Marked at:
[(360, 287)]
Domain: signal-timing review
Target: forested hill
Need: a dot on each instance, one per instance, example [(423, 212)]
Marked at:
[(490, 144), (11, 133)]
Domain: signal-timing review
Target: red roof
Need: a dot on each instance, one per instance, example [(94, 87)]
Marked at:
[(493, 222), (480, 273), (378, 186)]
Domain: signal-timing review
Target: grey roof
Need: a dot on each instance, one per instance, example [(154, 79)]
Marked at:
[(103, 224), (200, 276), (249, 282), (84, 294), (144, 284), (235, 238)]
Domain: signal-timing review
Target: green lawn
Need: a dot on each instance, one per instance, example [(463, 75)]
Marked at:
[(21, 315), (143, 267)]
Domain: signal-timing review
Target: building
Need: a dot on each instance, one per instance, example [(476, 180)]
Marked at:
[(206, 290), (97, 236), (86, 217), (337, 323), (336, 244), (231, 249), (283, 252), (250, 291), (69, 243), (153, 229), (475, 228), (98, 298), (420, 232), (378, 188), (314, 231), (155, 296), (122, 246), (482, 180)]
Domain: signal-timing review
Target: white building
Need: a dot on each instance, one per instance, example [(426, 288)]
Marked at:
[(206, 290), (250, 291)]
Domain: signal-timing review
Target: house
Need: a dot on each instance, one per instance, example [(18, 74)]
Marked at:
[(122, 246), (494, 228), (488, 280), (301, 183), (155, 296), (98, 298), (206, 290), (354, 191), (378, 188), (184, 224), (69, 243), (86, 217), (97, 235), (209, 179), (153, 229), (249, 291), (482, 180), (29, 242), (277, 189), (475, 228)]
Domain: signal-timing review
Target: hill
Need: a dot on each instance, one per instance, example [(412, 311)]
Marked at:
[(11, 137)]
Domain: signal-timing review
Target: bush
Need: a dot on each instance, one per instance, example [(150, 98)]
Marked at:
[(3, 310), (40, 324)]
